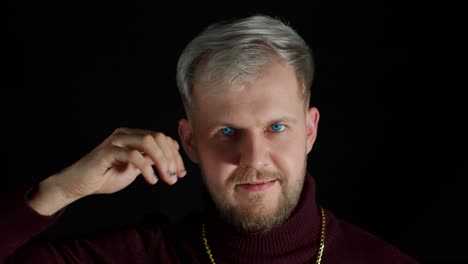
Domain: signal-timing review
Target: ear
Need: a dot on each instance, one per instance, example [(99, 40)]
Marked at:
[(312, 119), (186, 137)]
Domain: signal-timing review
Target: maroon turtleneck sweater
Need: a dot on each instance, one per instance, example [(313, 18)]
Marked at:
[(295, 241)]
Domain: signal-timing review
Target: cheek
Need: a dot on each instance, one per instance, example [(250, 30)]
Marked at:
[(289, 156), (217, 151), (213, 155), (216, 162)]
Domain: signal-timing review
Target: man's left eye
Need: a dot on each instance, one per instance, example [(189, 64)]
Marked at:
[(277, 127)]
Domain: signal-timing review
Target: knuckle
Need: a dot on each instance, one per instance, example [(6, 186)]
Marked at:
[(159, 135), (148, 159), (179, 161), (115, 140), (147, 139), (170, 164), (133, 153), (162, 160), (174, 167), (147, 168), (119, 130), (175, 160), (116, 136), (158, 154)]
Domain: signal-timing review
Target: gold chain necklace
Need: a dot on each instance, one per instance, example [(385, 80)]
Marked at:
[(321, 246)]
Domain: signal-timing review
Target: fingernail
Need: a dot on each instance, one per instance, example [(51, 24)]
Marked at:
[(182, 173)]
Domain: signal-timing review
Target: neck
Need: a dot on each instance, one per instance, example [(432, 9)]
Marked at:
[(301, 230)]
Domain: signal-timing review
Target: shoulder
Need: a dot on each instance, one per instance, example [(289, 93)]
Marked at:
[(153, 229), (189, 228), (155, 220), (350, 242), (186, 228)]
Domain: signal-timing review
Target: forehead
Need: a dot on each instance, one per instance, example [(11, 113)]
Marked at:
[(273, 94)]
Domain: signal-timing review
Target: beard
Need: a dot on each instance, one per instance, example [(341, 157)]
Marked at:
[(257, 214)]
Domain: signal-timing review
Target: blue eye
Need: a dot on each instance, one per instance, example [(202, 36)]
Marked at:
[(277, 127), (226, 131)]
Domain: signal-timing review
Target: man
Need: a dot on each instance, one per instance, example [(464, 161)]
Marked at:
[(245, 86)]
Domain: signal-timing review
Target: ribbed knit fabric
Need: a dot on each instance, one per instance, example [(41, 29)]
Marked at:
[(295, 241)]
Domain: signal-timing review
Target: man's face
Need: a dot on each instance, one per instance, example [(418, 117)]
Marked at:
[(252, 145)]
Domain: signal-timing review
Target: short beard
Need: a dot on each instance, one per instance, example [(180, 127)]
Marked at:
[(256, 220)]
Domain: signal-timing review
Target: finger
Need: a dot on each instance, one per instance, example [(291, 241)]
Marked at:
[(122, 135), (181, 172), (136, 159), (153, 145), (136, 131), (165, 144), (118, 135)]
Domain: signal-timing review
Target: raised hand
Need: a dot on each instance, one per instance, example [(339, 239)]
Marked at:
[(110, 167)]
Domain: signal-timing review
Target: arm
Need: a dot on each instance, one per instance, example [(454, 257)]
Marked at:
[(140, 244), (110, 167), (19, 222)]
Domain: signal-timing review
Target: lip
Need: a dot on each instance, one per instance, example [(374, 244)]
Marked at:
[(257, 186)]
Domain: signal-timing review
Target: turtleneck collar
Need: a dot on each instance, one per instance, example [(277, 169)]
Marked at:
[(299, 233)]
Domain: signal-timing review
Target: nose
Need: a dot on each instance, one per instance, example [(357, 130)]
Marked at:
[(253, 151)]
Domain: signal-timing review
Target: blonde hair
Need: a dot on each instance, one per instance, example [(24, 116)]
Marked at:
[(229, 52)]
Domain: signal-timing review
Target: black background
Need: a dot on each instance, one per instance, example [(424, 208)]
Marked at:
[(391, 153)]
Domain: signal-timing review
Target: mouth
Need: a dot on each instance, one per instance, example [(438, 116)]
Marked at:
[(257, 185)]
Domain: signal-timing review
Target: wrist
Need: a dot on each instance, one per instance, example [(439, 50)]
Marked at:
[(49, 197)]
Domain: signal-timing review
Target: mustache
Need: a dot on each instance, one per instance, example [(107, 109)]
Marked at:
[(248, 175)]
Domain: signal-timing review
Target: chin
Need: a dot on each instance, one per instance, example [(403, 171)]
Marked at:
[(259, 214)]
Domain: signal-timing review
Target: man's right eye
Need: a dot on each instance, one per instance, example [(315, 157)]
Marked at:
[(226, 131)]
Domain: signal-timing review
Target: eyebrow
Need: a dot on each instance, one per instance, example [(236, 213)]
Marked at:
[(286, 119), (283, 119)]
